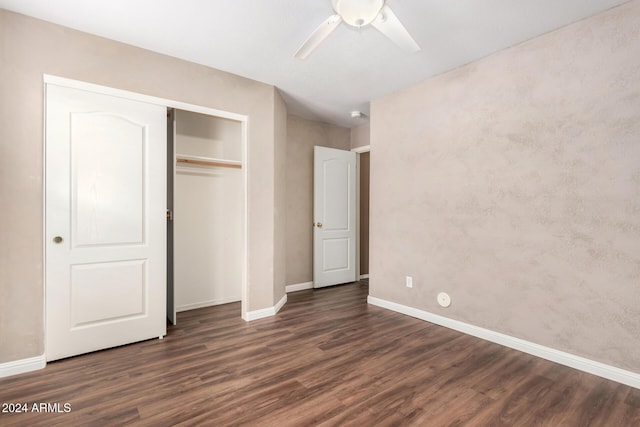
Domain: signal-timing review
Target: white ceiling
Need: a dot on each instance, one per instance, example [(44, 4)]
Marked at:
[(258, 38)]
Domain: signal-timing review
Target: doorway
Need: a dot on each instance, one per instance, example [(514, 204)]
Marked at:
[(204, 254), (363, 156), (341, 215), (363, 216)]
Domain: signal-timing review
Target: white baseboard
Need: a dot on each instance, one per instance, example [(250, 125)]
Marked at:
[(265, 312), (186, 307), (21, 366), (364, 276), (299, 287), (586, 365), (280, 304)]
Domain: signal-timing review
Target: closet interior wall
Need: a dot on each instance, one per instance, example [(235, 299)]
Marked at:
[(208, 211)]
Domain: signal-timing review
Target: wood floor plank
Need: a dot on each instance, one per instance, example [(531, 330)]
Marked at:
[(326, 359)]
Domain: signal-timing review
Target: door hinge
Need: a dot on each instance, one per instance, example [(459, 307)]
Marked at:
[(169, 214)]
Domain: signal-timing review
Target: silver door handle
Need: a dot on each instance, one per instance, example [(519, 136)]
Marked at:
[(319, 225), (57, 239)]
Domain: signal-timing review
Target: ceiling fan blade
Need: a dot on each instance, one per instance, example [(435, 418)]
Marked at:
[(388, 24), (319, 35)]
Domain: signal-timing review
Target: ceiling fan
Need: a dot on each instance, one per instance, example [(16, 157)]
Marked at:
[(360, 13)]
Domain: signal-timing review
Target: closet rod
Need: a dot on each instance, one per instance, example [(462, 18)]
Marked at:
[(209, 163)]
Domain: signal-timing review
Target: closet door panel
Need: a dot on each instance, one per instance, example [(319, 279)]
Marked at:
[(105, 200)]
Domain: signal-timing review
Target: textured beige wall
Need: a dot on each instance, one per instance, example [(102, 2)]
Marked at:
[(360, 135), (29, 48), (302, 136), (513, 183), (280, 153)]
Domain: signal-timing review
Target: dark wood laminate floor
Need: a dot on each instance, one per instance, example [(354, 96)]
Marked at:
[(326, 359)]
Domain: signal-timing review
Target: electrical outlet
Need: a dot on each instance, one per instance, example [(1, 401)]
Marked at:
[(409, 281)]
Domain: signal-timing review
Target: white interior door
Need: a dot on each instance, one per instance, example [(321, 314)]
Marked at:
[(334, 210), (105, 190)]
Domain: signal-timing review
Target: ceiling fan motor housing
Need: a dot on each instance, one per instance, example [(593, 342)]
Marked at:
[(358, 13)]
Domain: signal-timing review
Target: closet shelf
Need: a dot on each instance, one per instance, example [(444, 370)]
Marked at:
[(208, 161)]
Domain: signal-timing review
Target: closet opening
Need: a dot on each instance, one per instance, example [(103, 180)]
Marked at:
[(206, 200)]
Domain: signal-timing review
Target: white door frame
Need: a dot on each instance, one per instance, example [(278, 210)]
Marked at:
[(243, 119), (358, 151)]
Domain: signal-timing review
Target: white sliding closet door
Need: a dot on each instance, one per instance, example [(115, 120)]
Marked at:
[(105, 221)]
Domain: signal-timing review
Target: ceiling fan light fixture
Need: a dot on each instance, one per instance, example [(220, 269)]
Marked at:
[(358, 13)]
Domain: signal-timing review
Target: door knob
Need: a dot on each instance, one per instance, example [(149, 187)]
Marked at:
[(57, 239), (319, 225)]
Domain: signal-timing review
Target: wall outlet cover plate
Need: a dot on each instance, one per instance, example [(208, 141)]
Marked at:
[(444, 299)]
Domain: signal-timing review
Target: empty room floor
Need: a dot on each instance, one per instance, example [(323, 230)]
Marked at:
[(326, 359)]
